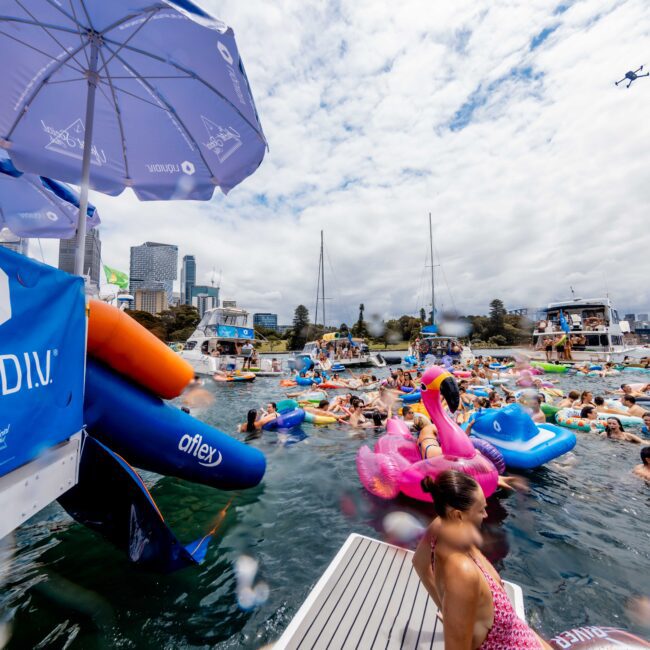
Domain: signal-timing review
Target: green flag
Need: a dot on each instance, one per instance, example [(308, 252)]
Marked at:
[(116, 277)]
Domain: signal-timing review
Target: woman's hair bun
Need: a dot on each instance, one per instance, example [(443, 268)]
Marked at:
[(428, 485)]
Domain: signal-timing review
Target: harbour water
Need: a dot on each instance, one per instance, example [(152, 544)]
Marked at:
[(578, 543)]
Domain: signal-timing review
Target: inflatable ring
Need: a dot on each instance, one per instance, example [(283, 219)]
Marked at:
[(490, 452), (245, 376), (317, 418), (593, 637), (287, 420), (581, 424)]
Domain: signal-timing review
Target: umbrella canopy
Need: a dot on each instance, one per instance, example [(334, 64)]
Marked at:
[(147, 94), (32, 206)]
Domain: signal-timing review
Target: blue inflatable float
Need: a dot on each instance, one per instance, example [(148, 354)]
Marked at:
[(523, 443), (307, 381), (286, 420), (411, 398), (154, 435)]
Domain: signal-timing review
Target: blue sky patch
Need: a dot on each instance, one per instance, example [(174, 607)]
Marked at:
[(542, 36), (482, 95)]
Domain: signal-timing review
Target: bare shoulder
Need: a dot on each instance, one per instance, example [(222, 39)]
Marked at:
[(460, 571)]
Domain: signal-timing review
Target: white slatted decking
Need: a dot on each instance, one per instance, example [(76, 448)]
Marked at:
[(370, 597)]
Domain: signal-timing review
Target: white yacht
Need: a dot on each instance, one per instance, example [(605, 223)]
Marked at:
[(217, 341), (594, 328), (338, 350)]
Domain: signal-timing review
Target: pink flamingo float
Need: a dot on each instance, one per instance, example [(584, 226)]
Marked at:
[(395, 465)]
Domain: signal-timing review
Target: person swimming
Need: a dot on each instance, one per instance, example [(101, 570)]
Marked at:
[(643, 470), (323, 408), (646, 423), (415, 421), (586, 399), (568, 401), (629, 402), (626, 389), (428, 443), (602, 407), (590, 413), (614, 431), (254, 421), (464, 585)]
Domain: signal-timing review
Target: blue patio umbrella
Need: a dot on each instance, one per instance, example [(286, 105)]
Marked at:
[(147, 94), (33, 206)]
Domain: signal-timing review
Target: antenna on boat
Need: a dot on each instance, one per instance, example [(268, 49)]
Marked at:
[(322, 262), (433, 294)]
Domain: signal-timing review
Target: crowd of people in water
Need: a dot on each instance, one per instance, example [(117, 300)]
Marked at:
[(365, 402)]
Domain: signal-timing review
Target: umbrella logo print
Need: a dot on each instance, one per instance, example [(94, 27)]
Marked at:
[(223, 142), (51, 216), (225, 53), (70, 142), (187, 167)]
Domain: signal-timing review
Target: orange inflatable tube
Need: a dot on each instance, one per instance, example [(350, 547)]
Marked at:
[(123, 344)]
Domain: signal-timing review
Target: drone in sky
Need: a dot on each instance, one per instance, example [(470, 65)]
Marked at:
[(632, 76)]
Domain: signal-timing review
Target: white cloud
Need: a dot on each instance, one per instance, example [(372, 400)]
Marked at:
[(546, 186)]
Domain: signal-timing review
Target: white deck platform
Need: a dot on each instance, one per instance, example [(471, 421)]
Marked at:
[(371, 597), (28, 489)]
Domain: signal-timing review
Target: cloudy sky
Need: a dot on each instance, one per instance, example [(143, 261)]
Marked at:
[(501, 118)]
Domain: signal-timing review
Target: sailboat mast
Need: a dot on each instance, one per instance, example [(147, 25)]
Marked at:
[(433, 294), (322, 274), (320, 263)]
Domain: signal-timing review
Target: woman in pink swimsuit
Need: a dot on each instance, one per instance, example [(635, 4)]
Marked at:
[(468, 591)]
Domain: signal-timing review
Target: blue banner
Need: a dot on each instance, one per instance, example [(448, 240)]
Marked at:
[(232, 332), (42, 354)]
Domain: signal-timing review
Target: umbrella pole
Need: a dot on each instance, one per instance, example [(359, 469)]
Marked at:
[(80, 244)]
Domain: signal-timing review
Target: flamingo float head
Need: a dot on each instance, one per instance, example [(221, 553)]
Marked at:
[(437, 381)]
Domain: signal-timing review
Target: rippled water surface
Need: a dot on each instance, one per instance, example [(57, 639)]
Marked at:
[(578, 544)]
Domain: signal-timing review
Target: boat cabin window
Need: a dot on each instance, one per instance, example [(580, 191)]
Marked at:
[(190, 345), (219, 317), (204, 347), (582, 341)]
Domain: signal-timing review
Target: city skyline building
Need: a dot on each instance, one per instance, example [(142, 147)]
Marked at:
[(188, 278), (266, 320), (204, 297), (153, 266), (203, 302), (152, 300), (92, 255)]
